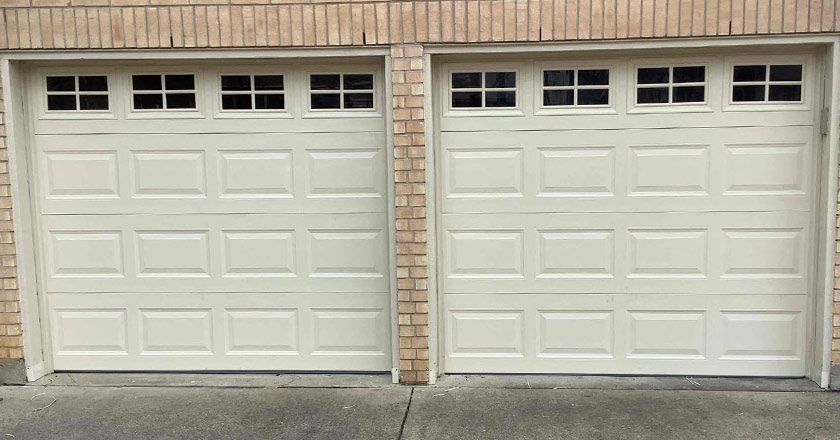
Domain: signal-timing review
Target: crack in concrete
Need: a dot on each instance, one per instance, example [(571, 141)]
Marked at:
[(405, 416)]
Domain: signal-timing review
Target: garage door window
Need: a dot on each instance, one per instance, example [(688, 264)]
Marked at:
[(576, 88), (77, 93), (671, 85), (163, 92), (252, 92), (483, 90), (767, 83), (341, 91)]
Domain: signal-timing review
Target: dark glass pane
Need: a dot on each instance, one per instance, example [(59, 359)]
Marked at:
[(689, 94), (180, 100), (269, 102), (148, 102), (600, 77), (93, 102), (466, 80), (358, 100), (654, 95), (652, 75), (357, 81), (466, 99), (785, 93), (554, 78), (146, 82), (180, 82), (786, 73), (324, 82), (747, 93), (499, 80), (749, 73), (500, 99), (593, 97), (268, 82), (61, 84), (236, 102), (236, 82), (689, 74), (325, 101), (61, 102), (558, 97), (93, 83)]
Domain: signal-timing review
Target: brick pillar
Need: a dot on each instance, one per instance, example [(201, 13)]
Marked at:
[(410, 178), (11, 341)]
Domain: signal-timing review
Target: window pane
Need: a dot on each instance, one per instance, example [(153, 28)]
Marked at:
[(269, 102), (500, 99), (600, 77), (148, 102), (93, 83), (689, 74), (146, 82), (61, 84), (593, 97), (558, 97), (466, 99), (236, 102), (358, 100), (785, 93), (689, 94), (325, 101), (180, 82), (324, 82), (466, 80), (61, 102), (749, 73), (652, 75), (180, 100), (268, 82), (653, 95), (93, 102), (786, 73), (499, 80), (357, 81), (747, 93), (236, 82), (556, 78)]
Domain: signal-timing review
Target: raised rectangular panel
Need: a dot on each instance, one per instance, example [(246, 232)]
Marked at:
[(496, 333), (347, 253), (176, 330), (762, 252), (102, 331), (667, 334), (576, 172), (344, 173), (262, 331), (678, 170), (255, 174), (484, 173), (485, 254), (761, 334), (259, 253), (172, 253), (575, 254), (81, 175), (765, 169), (168, 174), (656, 253), (85, 254), (575, 333), (349, 330)]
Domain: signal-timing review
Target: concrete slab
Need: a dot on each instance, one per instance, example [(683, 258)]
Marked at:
[(222, 380), (12, 372), (482, 413)]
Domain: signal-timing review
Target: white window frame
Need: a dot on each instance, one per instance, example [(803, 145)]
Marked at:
[(484, 89), (287, 92), (804, 104), (43, 110), (612, 85), (340, 92), (446, 72), (133, 113), (670, 85)]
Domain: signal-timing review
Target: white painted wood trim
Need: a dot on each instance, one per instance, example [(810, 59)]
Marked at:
[(392, 242), (431, 221)]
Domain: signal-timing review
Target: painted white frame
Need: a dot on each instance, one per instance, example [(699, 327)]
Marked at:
[(289, 97), (540, 67), (446, 106), (126, 75), (808, 80), (671, 107), (40, 107), (305, 92)]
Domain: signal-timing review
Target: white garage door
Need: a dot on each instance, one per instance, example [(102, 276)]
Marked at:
[(213, 218), (627, 216)]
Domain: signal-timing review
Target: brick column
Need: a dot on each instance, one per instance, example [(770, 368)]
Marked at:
[(11, 341), (410, 178)]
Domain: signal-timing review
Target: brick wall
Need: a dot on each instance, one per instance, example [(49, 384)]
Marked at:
[(10, 332)]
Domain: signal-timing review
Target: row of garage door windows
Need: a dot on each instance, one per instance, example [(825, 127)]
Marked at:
[(161, 92)]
